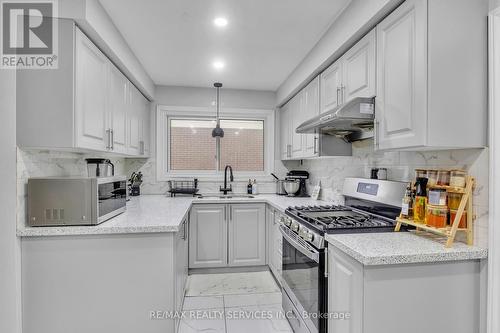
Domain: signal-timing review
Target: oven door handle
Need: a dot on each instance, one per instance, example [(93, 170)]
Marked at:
[(310, 253)]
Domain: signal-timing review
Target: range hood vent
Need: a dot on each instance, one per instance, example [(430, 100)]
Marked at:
[(352, 121)]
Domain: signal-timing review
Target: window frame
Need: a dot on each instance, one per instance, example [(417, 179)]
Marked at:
[(165, 113)]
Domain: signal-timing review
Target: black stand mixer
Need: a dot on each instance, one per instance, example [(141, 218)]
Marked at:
[(301, 176)]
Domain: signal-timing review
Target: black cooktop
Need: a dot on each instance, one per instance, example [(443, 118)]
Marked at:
[(339, 219)]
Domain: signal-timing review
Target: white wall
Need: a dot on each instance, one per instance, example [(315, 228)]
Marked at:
[(355, 21), (203, 97), (494, 4), (10, 251)]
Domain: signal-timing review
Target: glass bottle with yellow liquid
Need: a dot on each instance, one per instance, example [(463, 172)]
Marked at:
[(420, 200)]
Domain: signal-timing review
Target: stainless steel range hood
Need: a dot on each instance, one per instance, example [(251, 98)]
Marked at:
[(351, 121)]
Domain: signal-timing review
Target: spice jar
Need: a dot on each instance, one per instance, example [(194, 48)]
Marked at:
[(457, 178), (437, 197), (454, 200), (436, 216), (420, 173), (463, 219), (432, 176), (443, 177)]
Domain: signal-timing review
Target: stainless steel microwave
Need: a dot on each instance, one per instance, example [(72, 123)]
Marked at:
[(57, 201)]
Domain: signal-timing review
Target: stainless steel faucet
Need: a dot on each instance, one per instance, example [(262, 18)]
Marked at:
[(225, 189)]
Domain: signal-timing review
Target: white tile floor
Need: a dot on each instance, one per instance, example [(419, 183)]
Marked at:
[(235, 302)]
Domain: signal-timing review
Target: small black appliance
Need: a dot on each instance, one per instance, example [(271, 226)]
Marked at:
[(301, 176)]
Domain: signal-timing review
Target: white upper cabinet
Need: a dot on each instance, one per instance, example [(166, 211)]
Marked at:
[(118, 110), (430, 90), (331, 85), (134, 121), (401, 99), (353, 75), (296, 108), (284, 121), (310, 102), (359, 69), (83, 105), (91, 95), (301, 107)]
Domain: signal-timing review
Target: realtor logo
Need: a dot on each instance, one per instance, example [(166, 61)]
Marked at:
[(29, 34)]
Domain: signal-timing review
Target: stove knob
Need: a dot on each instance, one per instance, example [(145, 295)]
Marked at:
[(294, 226), (282, 220), (288, 222)]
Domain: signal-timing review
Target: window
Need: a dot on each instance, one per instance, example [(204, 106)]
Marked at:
[(186, 147)]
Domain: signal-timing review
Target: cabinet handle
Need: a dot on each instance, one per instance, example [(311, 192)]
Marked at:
[(342, 95), (376, 126), (326, 263), (315, 145), (112, 139), (338, 96), (108, 139)]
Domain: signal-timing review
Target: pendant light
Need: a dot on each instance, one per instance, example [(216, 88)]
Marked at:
[(217, 131)]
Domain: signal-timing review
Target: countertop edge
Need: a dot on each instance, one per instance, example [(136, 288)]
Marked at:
[(114, 230), (416, 258)]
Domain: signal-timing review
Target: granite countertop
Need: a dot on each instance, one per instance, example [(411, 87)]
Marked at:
[(402, 248), (157, 213)]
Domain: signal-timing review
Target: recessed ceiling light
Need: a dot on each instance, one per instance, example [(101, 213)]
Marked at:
[(220, 22), (219, 64)]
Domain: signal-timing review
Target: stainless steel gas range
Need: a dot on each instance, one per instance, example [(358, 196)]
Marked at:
[(370, 206)]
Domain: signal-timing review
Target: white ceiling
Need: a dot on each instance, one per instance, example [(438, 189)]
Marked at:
[(264, 41)]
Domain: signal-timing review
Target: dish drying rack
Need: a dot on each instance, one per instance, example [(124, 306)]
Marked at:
[(189, 187)]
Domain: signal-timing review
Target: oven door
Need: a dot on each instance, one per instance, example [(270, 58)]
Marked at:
[(303, 279), (111, 198)]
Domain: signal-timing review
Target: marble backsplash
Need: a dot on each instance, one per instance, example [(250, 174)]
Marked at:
[(330, 171)]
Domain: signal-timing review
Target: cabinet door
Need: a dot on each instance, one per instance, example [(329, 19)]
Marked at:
[(284, 117), (135, 114), (401, 106), (358, 64), (311, 110), (297, 109), (118, 85), (269, 235), (247, 234), (208, 236), (91, 84), (345, 292), (330, 85), (146, 128)]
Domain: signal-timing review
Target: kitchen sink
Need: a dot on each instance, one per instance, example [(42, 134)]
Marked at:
[(228, 196)]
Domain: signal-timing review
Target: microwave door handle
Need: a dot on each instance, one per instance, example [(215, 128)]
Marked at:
[(311, 254)]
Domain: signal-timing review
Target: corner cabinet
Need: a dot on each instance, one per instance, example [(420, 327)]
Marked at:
[(83, 105), (429, 91), (227, 235)]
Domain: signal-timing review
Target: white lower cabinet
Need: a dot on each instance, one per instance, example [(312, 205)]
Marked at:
[(410, 298), (274, 242), (208, 236), (247, 235), (345, 286), (227, 235)]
